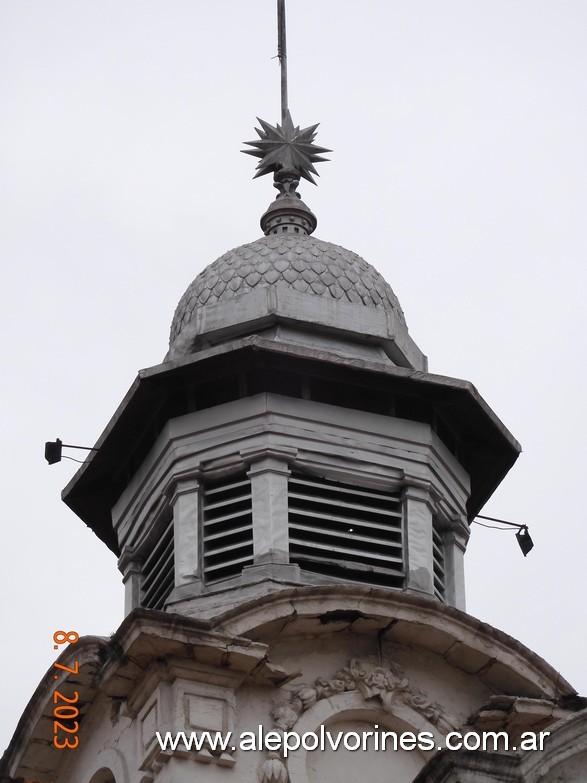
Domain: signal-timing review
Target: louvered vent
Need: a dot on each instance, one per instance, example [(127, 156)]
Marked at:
[(438, 556), (158, 576), (227, 528), (346, 531)]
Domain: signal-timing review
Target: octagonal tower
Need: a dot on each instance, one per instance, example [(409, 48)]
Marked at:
[(291, 436)]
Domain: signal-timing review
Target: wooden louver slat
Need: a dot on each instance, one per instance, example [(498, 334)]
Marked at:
[(345, 531), (438, 563), (158, 575), (227, 528)]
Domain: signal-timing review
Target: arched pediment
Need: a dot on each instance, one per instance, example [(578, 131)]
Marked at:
[(500, 661)]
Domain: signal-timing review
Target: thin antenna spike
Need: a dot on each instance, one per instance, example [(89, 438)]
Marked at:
[(286, 150), (282, 55)]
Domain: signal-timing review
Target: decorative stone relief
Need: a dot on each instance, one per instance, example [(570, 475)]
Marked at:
[(273, 770), (373, 680), (386, 682)]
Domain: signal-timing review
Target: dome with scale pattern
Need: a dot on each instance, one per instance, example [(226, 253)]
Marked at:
[(302, 263)]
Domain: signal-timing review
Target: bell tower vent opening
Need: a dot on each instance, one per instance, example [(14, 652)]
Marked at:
[(345, 531), (438, 562), (158, 570), (227, 537)]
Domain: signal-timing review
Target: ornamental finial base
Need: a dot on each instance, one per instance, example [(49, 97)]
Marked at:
[(288, 215)]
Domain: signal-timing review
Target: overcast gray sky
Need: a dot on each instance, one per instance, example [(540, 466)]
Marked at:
[(459, 171)]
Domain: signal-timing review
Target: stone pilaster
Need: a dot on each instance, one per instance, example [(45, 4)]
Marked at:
[(418, 510), (185, 502), (131, 579), (269, 473), (455, 545)]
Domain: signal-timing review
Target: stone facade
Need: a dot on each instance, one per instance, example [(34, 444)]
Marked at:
[(346, 658)]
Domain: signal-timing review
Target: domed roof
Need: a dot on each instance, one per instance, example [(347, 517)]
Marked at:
[(302, 263)]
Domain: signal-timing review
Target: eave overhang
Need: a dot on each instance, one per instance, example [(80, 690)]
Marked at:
[(486, 448)]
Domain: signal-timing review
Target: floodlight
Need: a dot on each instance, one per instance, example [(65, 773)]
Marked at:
[(524, 540)]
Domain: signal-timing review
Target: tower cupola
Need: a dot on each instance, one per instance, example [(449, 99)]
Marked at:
[(292, 435)]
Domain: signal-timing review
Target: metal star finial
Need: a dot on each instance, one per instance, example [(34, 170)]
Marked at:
[(286, 147)]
